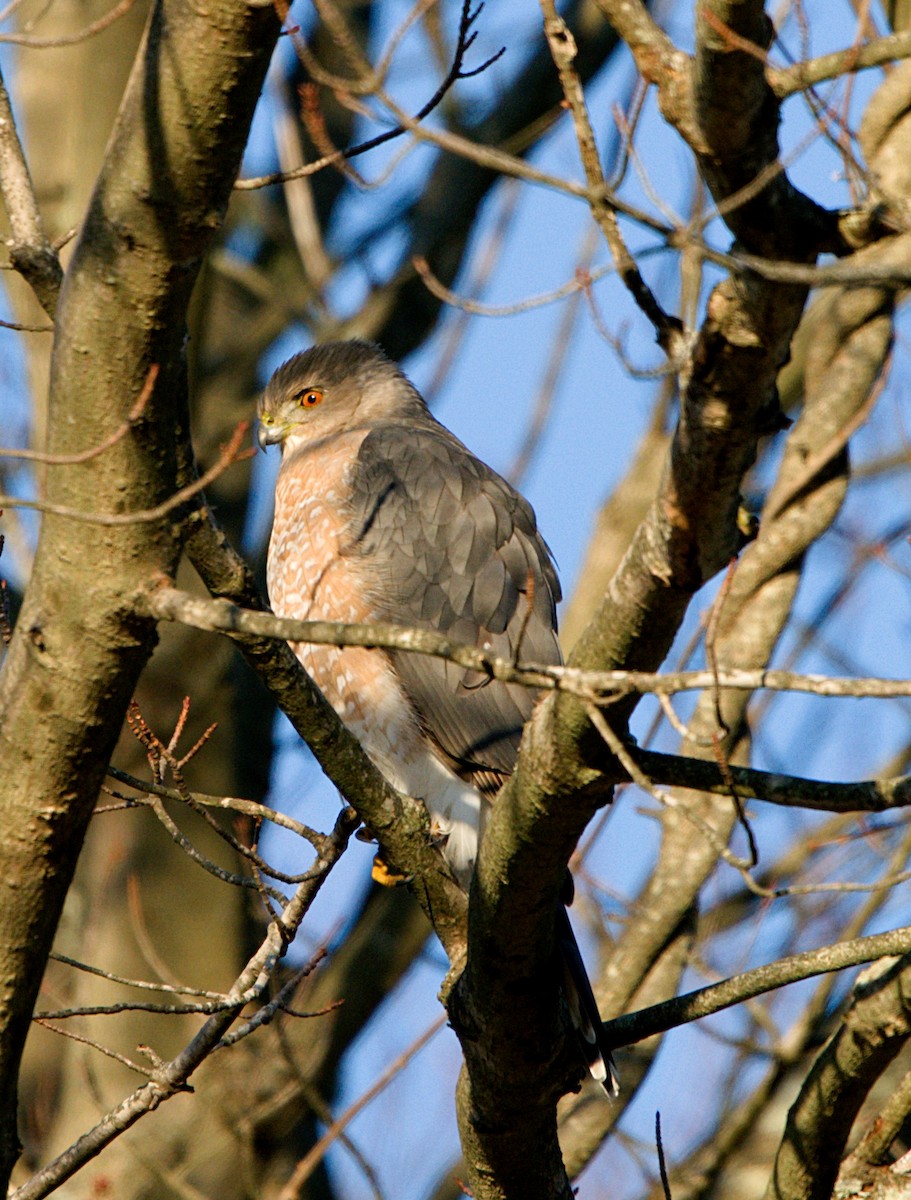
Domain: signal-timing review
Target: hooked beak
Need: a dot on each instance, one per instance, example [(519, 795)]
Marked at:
[(267, 433)]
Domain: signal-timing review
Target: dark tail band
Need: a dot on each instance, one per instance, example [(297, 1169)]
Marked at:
[(583, 1009)]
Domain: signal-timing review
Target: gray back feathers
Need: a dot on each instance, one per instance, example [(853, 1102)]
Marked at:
[(450, 546)]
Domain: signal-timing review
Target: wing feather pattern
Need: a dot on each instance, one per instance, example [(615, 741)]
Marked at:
[(451, 546)]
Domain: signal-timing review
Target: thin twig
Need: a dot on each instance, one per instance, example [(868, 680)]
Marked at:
[(81, 456), (466, 37), (71, 39), (181, 840), (18, 327), (668, 329), (581, 281), (86, 1041), (249, 808), (170, 988), (230, 454), (662, 1164), (163, 758), (204, 1008)]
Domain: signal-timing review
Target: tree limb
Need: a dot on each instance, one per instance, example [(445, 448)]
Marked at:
[(30, 251), (693, 1006), (873, 1031)]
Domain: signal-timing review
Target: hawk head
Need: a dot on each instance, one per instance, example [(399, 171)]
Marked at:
[(332, 388)]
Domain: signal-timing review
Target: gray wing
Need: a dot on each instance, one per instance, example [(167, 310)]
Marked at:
[(446, 544)]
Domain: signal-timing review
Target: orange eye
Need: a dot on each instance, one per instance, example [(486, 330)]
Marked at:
[(309, 398)]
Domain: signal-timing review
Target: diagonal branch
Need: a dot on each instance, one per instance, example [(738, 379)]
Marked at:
[(637, 1026), (668, 329), (786, 81), (30, 251), (875, 1028)]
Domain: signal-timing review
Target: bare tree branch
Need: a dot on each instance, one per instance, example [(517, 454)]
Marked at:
[(876, 1027), (167, 603), (668, 330), (786, 81), (70, 39), (170, 1078), (30, 251), (636, 1026)]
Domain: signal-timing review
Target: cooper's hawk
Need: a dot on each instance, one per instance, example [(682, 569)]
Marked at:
[(381, 514)]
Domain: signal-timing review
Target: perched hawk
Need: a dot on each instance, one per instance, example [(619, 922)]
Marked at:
[(381, 514)]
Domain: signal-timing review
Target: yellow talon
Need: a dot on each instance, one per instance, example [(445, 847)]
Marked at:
[(386, 875)]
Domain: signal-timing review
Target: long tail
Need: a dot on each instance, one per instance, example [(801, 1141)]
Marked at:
[(583, 1008)]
